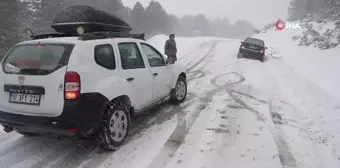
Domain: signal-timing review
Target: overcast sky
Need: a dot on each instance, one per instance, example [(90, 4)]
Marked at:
[(259, 12)]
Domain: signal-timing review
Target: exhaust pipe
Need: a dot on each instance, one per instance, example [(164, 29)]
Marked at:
[(8, 129)]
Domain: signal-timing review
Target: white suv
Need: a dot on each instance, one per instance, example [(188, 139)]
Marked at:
[(88, 86)]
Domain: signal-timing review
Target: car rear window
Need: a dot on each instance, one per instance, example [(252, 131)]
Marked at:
[(36, 59), (254, 41)]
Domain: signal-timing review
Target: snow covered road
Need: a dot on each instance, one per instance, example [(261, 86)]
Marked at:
[(239, 113)]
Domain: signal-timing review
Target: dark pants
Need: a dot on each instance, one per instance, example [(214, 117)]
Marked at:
[(171, 59)]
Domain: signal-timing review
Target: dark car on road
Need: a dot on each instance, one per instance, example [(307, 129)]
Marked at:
[(252, 48)]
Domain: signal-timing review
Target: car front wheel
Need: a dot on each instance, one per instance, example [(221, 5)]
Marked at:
[(179, 94), (115, 126)]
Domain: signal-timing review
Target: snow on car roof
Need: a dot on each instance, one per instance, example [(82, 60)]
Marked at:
[(75, 40), (70, 40)]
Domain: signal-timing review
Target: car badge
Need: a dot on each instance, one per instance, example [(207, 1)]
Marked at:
[(21, 79)]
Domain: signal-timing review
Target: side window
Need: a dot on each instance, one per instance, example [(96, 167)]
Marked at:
[(130, 56), (104, 56), (154, 57)]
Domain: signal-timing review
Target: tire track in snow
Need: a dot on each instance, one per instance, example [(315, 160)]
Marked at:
[(183, 125), (285, 155), (196, 74), (203, 58), (160, 118), (142, 122), (4, 137), (314, 125), (61, 150), (22, 152), (193, 51)]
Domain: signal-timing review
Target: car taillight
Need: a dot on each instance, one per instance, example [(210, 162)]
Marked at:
[(262, 51), (72, 85)]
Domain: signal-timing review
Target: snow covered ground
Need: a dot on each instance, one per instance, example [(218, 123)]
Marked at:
[(239, 113)]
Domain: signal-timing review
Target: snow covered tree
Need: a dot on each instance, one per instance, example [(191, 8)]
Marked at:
[(114, 7), (156, 17), (202, 25), (138, 19), (297, 9), (221, 27), (172, 21), (242, 29), (184, 26), (10, 28), (44, 13)]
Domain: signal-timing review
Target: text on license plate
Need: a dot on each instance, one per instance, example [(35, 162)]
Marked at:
[(24, 98), (252, 47)]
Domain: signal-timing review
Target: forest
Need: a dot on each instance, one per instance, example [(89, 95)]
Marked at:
[(152, 19)]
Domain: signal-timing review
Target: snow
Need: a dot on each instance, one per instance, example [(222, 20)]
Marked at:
[(318, 66), (239, 113)]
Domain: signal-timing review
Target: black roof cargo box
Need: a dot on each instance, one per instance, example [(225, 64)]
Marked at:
[(91, 19)]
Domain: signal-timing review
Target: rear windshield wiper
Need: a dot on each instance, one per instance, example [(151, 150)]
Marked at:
[(33, 71)]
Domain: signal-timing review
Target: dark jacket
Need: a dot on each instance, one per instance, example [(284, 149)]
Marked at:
[(170, 47)]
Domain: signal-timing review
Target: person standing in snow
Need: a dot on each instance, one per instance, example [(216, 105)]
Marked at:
[(171, 49)]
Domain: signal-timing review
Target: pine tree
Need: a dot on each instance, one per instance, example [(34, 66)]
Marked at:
[(184, 26), (172, 22), (114, 7), (202, 25), (44, 13), (242, 29), (125, 14), (138, 19), (297, 9), (220, 27), (10, 28), (156, 17)]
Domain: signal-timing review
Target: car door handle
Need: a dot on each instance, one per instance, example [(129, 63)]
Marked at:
[(155, 74), (130, 79)]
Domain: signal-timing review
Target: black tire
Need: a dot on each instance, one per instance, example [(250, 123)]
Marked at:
[(261, 58), (239, 55), (107, 140), (176, 99)]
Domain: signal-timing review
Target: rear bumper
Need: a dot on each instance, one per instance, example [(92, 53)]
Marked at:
[(83, 115), (251, 53)]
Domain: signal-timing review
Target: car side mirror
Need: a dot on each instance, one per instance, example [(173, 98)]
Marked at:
[(266, 47)]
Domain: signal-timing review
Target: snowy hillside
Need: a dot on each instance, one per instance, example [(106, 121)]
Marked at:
[(319, 66)]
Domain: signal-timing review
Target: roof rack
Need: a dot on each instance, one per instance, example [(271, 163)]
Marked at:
[(52, 35), (92, 35), (103, 35)]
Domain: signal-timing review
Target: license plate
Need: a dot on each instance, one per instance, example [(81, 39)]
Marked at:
[(253, 47), (21, 98)]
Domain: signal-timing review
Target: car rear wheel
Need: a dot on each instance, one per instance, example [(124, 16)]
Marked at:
[(239, 55), (179, 94), (261, 58), (115, 126)]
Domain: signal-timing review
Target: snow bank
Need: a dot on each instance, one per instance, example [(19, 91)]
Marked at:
[(319, 66)]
